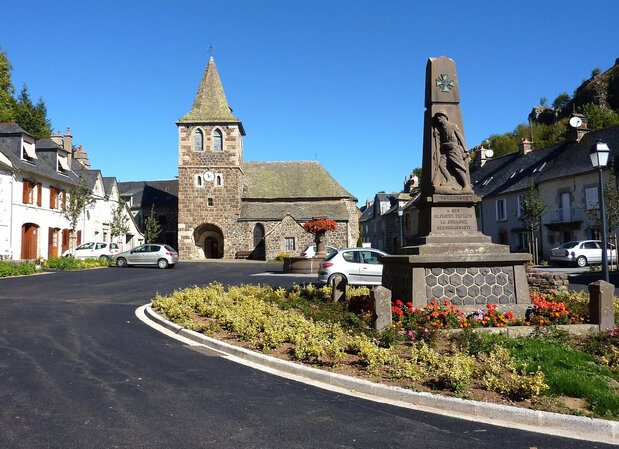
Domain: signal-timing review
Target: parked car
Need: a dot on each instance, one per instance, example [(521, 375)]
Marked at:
[(93, 250), (310, 251), (359, 266), (582, 253), (163, 256)]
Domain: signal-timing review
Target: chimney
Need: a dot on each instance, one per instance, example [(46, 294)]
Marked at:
[(67, 143), (57, 138), (578, 127), (525, 146), (81, 157), (483, 154)]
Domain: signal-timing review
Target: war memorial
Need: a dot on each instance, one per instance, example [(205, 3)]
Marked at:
[(451, 259)]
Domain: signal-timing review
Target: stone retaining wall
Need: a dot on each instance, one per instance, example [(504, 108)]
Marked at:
[(546, 283)]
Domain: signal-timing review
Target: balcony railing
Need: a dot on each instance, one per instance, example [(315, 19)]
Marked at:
[(561, 215)]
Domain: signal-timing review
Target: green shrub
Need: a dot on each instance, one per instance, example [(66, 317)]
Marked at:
[(72, 264), (13, 269)]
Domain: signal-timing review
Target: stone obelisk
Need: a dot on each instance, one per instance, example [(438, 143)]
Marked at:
[(451, 259)]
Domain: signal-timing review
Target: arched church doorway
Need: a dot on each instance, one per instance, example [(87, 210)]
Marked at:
[(258, 252), (29, 237), (210, 238)]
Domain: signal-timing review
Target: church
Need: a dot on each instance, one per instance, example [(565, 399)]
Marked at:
[(231, 208)]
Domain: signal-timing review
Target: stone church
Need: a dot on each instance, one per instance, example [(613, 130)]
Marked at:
[(228, 207)]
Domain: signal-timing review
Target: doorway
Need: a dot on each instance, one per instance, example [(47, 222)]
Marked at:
[(29, 237)]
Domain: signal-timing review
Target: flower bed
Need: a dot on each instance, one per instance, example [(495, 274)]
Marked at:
[(72, 264), (302, 324), (14, 269)]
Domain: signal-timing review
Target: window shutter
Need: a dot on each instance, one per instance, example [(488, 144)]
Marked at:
[(26, 195), (39, 194), (52, 197)]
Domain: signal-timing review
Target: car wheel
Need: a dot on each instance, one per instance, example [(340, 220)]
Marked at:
[(331, 280), (103, 258), (121, 262), (581, 261), (162, 263)]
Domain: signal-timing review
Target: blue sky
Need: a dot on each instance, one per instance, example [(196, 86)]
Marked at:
[(337, 81)]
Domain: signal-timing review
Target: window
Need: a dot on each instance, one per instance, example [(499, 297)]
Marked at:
[(351, 256), (520, 205), (198, 140), (539, 168), (28, 196), (503, 238), (370, 257), (290, 244), (521, 240), (590, 245), (218, 180), (591, 198), (209, 201), (217, 140), (86, 246), (501, 212), (28, 152), (101, 245), (198, 181), (63, 164)]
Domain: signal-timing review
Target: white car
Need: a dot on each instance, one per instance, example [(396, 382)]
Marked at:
[(359, 266), (94, 250), (582, 253), (310, 251)]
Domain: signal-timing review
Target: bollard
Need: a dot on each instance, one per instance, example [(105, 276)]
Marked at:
[(601, 307), (380, 297), (338, 288)]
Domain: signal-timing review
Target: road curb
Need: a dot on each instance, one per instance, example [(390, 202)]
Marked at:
[(589, 429)]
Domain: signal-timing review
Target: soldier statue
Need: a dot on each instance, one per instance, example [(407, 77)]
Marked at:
[(451, 157)]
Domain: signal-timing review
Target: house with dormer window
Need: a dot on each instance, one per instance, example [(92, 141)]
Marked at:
[(563, 175)]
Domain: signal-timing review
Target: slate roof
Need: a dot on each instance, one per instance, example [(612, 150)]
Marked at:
[(90, 176), (301, 211), (46, 163), (108, 184), (145, 193), (210, 104), (513, 172), (290, 180)]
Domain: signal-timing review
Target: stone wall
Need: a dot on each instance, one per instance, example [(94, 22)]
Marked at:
[(546, 283)]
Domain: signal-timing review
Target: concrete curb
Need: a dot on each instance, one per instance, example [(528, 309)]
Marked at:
[(589, 429)]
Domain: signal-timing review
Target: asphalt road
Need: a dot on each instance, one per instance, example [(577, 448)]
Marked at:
[(79, 370)]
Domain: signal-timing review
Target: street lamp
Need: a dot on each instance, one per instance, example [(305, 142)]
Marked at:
[(400, 213), (599, 153)]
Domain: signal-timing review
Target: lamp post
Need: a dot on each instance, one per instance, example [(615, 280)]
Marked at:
[(400, 214), (599, 153)]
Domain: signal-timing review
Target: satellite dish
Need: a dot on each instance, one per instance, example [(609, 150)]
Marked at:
[(208, 176), (489, 153), (575, 122)]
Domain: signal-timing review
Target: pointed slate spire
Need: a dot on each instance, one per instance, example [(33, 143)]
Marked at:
[(210, 104)]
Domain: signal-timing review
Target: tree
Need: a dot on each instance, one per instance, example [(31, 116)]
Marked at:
[(119, 224), (532, 207), (595, 72), (80, 197), (152, 228), (7, 102), (611, 203), (417, 172), (597, 117), (561, 100), (543, 101)]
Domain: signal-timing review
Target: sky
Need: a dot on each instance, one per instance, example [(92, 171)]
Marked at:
[(341, 82)]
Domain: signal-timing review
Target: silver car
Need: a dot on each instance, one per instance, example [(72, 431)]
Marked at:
[(359, 266), (163, 256), (582, 253)]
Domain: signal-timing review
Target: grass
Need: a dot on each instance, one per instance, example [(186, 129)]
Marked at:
[(569, 371)]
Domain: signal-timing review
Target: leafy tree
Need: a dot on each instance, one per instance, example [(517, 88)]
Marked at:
[(119, 224), (31, 117), (152, 228), (597, 117), (417, 172), (561, 100), (543, 101), (80, 197), (532, 207), (595, 72), (611, 203)]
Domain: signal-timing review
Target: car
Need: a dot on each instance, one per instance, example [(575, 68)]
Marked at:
[(582, 252), (358, 266), (94, 250), (159, 254), (310, 251)]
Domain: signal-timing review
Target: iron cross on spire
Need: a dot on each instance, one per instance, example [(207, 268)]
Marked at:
[(444, 83), (210, 49)]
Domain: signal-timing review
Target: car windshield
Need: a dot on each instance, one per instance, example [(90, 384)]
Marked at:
[(568, 245)]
